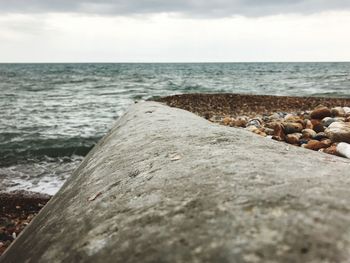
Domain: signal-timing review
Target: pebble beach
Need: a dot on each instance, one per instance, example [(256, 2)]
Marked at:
[(319, 124)]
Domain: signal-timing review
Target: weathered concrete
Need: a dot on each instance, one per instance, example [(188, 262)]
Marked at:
[(167, 186)]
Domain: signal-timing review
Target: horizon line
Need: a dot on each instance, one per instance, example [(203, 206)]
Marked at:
[(176, 62)]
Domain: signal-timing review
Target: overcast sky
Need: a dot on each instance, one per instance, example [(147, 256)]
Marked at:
[(174, 31)]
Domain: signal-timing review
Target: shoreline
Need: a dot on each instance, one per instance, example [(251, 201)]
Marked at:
[(165, 180), (18, 208)]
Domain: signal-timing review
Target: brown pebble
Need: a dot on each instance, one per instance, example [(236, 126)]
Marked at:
[(317, 125), (326, 142), (320, 113), (308, 133), (331, 150), (293, 138), (241, 122), (315, 145), (228, 121), (292, 118), (278, 133)]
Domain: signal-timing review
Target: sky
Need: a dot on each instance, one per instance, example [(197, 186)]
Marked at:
[(174, 31)]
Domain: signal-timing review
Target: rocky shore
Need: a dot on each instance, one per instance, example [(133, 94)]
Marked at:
[(18, 208), (165, 185), (319, 124)]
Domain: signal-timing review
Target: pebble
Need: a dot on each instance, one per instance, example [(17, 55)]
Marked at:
[(321, 135), (241, 122), (228, 121), (328, 121), (293, 127), (292, 118), (326, 142), (338, 112), (303, 141), (278, 133), (254, 122), (320, 129), (308, 124), (344, 149), (347, 111), (308, 133), (317, 125), (339, 132), (315, 145), (293, 138), (269, 131), (331, 150), (321, 112), (251, 128)]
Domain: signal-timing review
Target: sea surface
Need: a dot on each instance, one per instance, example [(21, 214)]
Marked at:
[(51, 115)]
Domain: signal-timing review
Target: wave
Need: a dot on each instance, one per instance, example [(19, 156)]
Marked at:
[(13, 152)]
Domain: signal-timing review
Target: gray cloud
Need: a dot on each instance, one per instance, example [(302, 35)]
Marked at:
[(201, 8)]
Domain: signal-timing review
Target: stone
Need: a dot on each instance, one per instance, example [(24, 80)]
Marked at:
[(241, 121), (308, 133), (278, 132), (347, 111), (228, 121), (344, 149), (303, 141), (232, 197), (315, 145), (320, 113), (326, 142), (308, 124), (254, 122), (278, 115), (252, 128), (269, 131), (331, 150), (338, 112), (317, 125), (260, 132), (293, 138), (339, 132), (340, 119), (215, 118), (328, 121), (292, 118), (320, 136), (292, 127)]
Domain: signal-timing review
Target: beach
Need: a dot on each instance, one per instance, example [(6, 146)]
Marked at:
[(19, 207)]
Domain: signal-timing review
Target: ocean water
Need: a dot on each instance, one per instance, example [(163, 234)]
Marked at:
[(51, 115)]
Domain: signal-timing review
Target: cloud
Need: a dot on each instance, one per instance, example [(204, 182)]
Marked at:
[(200, 8)]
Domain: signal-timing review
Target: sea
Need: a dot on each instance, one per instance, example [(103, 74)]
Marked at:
[(51, 115)]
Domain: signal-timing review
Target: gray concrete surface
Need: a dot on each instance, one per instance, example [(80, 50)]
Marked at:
[(167, 186)]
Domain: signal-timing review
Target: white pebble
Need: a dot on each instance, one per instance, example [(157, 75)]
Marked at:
[(344, 149), (347, 110)]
